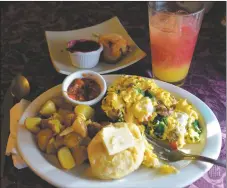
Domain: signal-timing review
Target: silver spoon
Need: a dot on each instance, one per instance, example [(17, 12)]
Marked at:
[(19, 88)]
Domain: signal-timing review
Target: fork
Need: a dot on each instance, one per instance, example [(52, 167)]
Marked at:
[(166, 153)]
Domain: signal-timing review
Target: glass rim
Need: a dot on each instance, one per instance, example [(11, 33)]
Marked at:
[(184, 15)]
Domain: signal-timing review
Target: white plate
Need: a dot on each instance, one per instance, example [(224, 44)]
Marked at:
[(143, 177), (57, 43)]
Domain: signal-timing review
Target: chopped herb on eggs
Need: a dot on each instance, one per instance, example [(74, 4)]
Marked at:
[(158, 125), (159, 129), (196, 126), (149, 94), (146, 93), (160, 118), (140, 91)]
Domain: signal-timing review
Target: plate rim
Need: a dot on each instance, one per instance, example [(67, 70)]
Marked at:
[(143, 54), (199, 172)]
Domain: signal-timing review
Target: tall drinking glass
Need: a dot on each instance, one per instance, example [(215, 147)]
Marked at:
[(173, 35)]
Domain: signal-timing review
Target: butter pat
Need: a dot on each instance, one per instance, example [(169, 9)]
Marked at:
[(117, 139)]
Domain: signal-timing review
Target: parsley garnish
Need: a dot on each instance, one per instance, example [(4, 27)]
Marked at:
[(159, 130), (196, 126), (160, 118), (140, 91), (159, 124), (149, 94)]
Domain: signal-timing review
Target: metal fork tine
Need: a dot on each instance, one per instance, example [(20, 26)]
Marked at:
[(158, 143), (166, 153), (159, 150)]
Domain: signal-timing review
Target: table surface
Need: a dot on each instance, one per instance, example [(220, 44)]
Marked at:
[(24, 49)]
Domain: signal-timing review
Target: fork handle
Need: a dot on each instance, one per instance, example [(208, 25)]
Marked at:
[(206, 159)]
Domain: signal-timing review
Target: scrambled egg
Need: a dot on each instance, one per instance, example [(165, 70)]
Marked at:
[(138, 100), (125, 99), (166, 169), (150, 159)]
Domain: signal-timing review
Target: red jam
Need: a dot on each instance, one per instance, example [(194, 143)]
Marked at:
[(83, 46), (83, 89)]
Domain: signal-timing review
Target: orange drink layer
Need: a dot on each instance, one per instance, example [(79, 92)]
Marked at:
[(172, 45)]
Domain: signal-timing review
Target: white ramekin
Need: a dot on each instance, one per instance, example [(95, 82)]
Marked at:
[(85, 59), (84, 74)]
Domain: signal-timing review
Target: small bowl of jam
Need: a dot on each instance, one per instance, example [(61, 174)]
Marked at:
[(84, 87), (84, 53)]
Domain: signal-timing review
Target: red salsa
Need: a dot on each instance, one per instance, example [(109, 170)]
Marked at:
[(83, 89)]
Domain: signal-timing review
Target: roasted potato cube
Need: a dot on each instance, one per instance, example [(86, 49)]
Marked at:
[(69, 119), (64, 112), (65, 158), (43, 138), (51, 149), (80, 127), (79, 154), (93, 128), (66, 131), (60, 102), (57, 116), (86, 110), (44, 123), (85, 142), (48, 109), (32, 124), (55, 125), (59, 142), (72, 139)]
